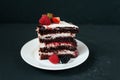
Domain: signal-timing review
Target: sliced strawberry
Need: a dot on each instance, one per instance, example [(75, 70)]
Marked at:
[(56, 19), (54, 59), (44, 20)]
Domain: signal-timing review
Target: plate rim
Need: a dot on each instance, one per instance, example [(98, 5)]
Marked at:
[(48, 68)]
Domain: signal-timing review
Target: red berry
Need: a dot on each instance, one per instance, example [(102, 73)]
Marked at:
[(76, 53), (44, 20), (56, 19), (54, 59)]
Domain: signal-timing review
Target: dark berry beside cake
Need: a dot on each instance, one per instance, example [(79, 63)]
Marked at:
[(56, 39)]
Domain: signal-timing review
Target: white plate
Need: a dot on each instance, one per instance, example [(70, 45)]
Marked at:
[(29, 54)]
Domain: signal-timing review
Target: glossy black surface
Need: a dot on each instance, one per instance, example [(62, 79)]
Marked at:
[(102, 64)]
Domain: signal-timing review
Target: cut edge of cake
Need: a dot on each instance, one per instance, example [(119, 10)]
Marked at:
[(56, 38)]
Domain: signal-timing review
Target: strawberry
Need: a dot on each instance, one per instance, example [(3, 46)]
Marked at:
[(56, 19), (54, 59), (44, 20)]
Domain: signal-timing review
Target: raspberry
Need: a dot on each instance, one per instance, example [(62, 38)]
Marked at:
[(76, 53), (54, 59), (56, 19), (44, 20)]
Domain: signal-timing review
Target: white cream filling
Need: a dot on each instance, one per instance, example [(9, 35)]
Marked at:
[(42, 45), (59, 52), (61, 24), (57, 35)]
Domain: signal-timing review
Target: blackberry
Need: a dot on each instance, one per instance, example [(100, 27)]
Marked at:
[(64, 58), (42, 28)]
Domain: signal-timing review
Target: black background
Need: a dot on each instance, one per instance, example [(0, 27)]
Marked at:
[(77, 11), (99, 22)]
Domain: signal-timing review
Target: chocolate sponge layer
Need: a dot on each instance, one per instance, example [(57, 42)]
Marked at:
[(43, 31), (52, 49), (58, 39)]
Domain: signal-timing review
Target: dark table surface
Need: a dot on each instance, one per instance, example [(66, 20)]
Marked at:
[(102, 64)]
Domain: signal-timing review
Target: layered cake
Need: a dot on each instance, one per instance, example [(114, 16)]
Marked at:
[(56, 37)]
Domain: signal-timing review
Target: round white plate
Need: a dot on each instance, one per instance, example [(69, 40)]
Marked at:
[(29, 54)]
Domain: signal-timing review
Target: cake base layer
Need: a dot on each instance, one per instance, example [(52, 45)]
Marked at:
[(42, 56), (72, 54)]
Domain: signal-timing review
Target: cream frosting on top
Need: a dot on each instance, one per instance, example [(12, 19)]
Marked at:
[(61, 24)]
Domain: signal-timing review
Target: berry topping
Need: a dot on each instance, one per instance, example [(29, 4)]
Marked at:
[(54, 59), (47, 19), (64, 58), (44, 20), (56, 19), (76, 53), (50, 15), (42, 28)]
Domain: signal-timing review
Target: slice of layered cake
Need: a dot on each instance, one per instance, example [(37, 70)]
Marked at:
[(56, 37)]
